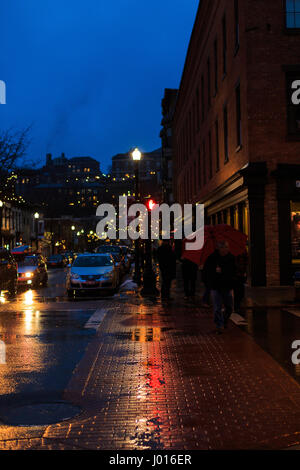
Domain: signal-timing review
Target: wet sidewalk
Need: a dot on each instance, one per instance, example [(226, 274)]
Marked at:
[(157, 377)]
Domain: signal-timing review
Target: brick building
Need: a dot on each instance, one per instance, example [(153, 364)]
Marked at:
[(168, 104), (237, 128), (63, 186), (123, 172)]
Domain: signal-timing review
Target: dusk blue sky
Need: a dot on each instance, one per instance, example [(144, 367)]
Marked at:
[(90, 75)]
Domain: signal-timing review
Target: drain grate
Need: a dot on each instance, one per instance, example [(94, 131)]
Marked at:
[(39, 414)]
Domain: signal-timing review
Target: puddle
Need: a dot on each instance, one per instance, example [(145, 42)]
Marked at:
[(39, 414)]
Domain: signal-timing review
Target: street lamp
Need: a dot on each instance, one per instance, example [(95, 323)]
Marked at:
[(73, 236), (149, 278), (137, 156), (36, 216)]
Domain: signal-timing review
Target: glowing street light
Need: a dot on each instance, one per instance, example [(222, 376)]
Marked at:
[(136, 155), (36, 215)]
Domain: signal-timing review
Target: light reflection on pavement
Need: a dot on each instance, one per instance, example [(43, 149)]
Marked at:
[(44, 341)]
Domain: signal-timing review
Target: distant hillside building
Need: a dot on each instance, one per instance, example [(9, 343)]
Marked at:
[(64, 186)]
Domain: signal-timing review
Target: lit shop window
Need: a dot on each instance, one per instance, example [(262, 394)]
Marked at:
[(293, 13), (295, 232)]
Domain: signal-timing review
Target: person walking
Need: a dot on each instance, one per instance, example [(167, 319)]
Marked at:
[(189, 274), (240, 279), (219, 271), (167, 265), (206, 294)]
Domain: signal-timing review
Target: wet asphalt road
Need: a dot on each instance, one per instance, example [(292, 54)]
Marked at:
[(45, 338)]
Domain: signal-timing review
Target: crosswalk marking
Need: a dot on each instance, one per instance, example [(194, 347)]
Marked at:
[(96, 319)]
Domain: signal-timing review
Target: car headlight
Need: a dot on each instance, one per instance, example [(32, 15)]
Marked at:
[(74, 276), (28, 274)]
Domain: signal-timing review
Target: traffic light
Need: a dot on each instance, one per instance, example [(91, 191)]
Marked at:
[(151, 204)]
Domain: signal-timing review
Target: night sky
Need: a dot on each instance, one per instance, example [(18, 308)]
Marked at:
[(89, 75)]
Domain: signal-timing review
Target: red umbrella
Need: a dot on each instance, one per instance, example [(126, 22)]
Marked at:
[(212, 235)]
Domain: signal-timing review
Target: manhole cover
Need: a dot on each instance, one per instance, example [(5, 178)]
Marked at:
[(39, 414)]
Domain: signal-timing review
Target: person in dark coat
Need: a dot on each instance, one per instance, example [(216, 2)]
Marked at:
[(167, 265), (206, 294), (219, 271), (240, 279), (189, 274)]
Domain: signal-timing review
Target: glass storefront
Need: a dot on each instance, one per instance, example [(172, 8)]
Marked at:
[(295, 232)]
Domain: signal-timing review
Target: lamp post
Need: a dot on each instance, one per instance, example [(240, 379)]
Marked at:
[(136, 156), (36, 227), (73, 228), (149, 279)]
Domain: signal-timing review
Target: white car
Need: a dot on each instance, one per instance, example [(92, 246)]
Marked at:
[(93, 273)]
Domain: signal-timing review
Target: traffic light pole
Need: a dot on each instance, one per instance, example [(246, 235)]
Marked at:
[(137, 269), (149, 278)]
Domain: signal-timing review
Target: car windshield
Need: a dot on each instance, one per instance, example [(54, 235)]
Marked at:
[(92, 261), (28, 261)]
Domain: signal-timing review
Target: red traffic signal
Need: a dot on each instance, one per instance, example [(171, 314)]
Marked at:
[(151, 204)]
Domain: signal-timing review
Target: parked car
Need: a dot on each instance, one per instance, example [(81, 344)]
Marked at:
[(8, 272), (32, 271), (57, 261), (94, 273), (117, 253)]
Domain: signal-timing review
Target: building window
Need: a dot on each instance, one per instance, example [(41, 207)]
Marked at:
[(238, 115), (295, 232), (224, 33), (216, 65), (225, 123), (217, 146), (293, 103), (292, 13), (210, 156), (208, 83), (204, 162), (236, 25)]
